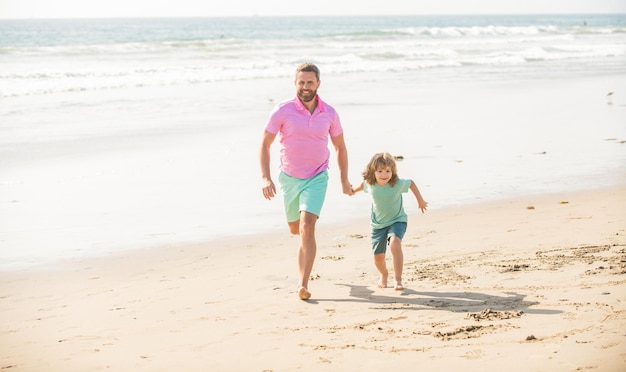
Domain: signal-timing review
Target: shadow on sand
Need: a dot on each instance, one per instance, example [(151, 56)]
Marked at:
[(409, 299)]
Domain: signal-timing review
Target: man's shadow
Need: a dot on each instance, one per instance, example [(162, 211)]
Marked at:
[(409, 299)]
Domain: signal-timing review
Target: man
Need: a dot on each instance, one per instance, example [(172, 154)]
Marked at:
[(305, 123)]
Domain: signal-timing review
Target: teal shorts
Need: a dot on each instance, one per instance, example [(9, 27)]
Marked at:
[(303, 194), (380, 237)]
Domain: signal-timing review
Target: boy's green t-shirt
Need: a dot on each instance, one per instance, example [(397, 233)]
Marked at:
[(387, 206)]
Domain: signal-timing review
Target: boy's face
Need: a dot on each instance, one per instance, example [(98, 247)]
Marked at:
[(383, 175)]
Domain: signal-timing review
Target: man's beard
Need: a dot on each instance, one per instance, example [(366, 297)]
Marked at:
[(307, 97)]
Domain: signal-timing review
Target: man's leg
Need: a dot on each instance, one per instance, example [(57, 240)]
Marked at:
[(294, 227), (307, 252)]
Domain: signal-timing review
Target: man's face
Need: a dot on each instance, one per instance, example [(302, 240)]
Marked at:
[(306, 85)]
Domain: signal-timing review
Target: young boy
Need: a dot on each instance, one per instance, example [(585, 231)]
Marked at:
[(389, 220)]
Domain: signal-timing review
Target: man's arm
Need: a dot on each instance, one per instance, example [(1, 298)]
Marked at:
[(267, 185), (342, 162)]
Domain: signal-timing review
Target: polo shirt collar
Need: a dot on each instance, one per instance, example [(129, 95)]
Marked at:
[(300, 105)]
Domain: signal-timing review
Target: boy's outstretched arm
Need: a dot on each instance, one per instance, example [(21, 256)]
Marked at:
[(421, 203), (358, 188)]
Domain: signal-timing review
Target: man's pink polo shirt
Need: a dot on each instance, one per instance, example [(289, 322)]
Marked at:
[(304, 136)]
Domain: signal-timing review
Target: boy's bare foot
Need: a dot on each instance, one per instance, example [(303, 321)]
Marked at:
[(398, 286), (304, 294), (382, 282)]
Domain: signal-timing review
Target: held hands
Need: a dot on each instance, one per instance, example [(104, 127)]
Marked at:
[(268, 188), (347, 188), (357, 189)]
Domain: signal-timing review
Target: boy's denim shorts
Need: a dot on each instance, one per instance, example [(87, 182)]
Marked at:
[(380, 237)]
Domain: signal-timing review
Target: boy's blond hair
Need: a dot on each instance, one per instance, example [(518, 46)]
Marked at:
[(380, 160)]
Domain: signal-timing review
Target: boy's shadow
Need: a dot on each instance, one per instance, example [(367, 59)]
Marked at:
[(409, 299)]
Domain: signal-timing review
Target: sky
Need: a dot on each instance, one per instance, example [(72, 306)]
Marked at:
[(210, 8)]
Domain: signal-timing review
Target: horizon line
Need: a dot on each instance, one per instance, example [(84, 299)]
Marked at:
[(316, 15)]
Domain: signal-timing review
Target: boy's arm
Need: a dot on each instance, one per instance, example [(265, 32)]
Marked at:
[(421, 203), (358, 188)]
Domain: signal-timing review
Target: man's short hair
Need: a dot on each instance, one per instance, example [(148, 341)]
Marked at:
[(309, 67)]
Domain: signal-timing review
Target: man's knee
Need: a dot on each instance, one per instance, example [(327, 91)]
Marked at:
[(307, 223)]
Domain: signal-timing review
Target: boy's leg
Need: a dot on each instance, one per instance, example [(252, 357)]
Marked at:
[(395, 246), (379, 261), (379, 248)]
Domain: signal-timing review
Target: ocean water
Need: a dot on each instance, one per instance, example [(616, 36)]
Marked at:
[(134, 133), (51, 56)]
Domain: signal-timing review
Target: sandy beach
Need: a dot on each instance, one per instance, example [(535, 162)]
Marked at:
[(529, 284), (134, 236)]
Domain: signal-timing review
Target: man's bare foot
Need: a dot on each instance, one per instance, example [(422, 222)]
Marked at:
[(398, 286), (382, 282), (304, 294)]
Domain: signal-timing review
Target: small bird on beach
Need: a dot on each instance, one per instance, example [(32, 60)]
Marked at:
[(608, 98)]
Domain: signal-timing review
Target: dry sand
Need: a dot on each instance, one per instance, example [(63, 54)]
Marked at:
[(533, 284)]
